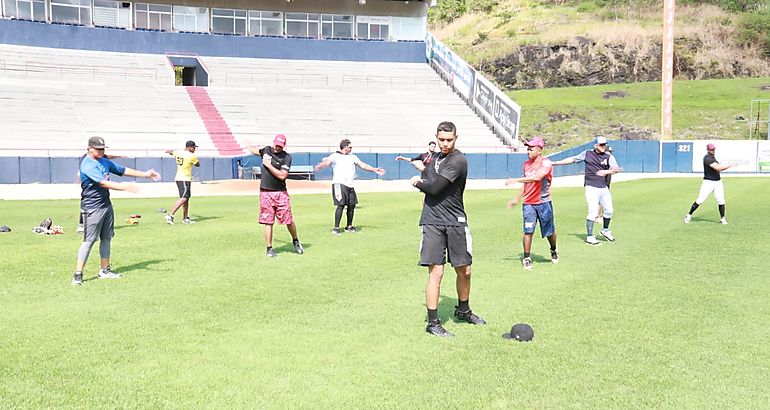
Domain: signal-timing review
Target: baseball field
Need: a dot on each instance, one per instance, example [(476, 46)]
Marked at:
[(669, 316)]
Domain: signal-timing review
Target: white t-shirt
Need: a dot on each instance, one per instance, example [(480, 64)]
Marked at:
[(344, 168)]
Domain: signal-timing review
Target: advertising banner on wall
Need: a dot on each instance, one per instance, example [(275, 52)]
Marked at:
[(455, 68), (497, 107), (763, 156), (743, 154)]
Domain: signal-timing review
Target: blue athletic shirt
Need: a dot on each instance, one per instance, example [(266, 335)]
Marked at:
[(91, 173)]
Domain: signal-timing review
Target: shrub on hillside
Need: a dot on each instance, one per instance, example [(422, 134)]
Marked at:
[(448, 10), (755, 30), (732, 5)]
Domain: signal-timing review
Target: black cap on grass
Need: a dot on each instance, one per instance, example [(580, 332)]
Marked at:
[(521, 332)]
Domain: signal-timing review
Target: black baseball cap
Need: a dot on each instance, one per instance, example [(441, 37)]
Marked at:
[(96, 142), (190, 143), (521, 332)]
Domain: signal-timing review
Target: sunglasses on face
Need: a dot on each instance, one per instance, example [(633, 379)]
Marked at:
[(602, 145)]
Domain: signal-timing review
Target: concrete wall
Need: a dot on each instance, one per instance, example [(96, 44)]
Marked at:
[(36, 34)]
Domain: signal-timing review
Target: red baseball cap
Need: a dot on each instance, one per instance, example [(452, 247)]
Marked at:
[(711, 146), (535, 142), (279, 140)]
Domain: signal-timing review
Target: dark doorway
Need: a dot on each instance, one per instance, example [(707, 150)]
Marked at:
[(189, 71), (188, 76)]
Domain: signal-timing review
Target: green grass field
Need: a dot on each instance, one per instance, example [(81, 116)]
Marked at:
[(671, 315), (702, 109)]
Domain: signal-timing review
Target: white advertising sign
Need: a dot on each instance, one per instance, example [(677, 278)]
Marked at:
[(763, 156), (743, 154)]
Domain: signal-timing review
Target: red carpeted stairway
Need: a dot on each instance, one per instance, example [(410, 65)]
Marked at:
[(216, 126)]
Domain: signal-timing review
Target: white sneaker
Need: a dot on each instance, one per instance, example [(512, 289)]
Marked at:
[(169, 219), (687, 218), (591, 240), (187, 221), (608, 235), (724, 221)]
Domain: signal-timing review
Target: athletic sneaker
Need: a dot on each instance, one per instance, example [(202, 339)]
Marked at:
[(687, 218), (80, 229), (336, 231), (170, 219), (107, 273), (468, 316), (271, 253), (351, 229), (188, 221), (554, 257), (724, 221), (591, 240), (527, 263), (298, 247), (434, 327), (608, 235), (77, 279)]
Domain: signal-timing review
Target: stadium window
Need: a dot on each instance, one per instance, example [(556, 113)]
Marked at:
[(195, 19), (336, 26), (302, 24), (111, 13), (25, 9), (71, 11), (265, 23), (373, 27), (228, 21), (153, 16)]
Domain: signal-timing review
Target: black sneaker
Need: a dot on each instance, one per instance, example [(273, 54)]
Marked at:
[(77, 279), (298, 247), (468, 316), (336, 231), (554, 257), (351, 229), (435, 328), (271, 253)]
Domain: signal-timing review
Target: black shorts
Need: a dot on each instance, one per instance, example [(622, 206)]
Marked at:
[(184, 188), (440, 244), (344, 195)]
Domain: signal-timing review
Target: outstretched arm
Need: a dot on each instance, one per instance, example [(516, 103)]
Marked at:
[(128, 186), (415, 162), (565, 161), (720, 167), (367, 167), (323, 164)]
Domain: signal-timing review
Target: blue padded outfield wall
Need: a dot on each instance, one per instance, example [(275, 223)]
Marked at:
[(28, 33), (633, 156)]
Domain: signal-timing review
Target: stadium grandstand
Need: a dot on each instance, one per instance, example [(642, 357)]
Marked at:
[(147, 76)]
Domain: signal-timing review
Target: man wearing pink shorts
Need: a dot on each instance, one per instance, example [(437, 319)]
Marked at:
[(274, 201)]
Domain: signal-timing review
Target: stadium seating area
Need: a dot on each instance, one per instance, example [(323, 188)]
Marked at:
[(53, 99)]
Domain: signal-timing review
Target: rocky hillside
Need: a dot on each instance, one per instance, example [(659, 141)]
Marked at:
[(530, 45)]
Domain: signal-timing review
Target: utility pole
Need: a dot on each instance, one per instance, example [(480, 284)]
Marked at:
[(667, 70)]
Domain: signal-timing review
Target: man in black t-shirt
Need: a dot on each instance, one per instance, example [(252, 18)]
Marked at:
[(422, 160), (445, 233), (274, 201), (712, 182)]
